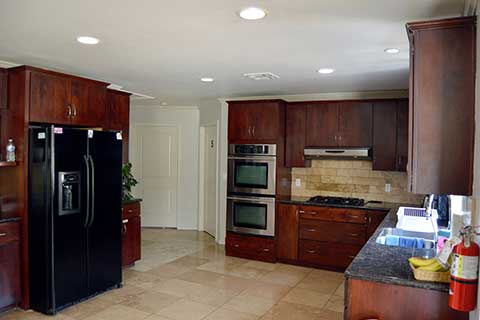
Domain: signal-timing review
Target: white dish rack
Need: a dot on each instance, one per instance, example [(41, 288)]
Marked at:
[(417, 219)]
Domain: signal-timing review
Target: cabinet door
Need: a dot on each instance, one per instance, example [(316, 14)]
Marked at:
[(322, 125), (88, 103), (265, 119), (374, 220), (355, 124), (118, 115), (287, 232), (49, 98), (295, 135), (9, 274), (402, 135), (3, 88), (239, 122), (385, 136)]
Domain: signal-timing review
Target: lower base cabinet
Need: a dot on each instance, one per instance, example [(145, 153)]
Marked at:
[(250, 247), (373, 300), (131, 241), (9, 265)]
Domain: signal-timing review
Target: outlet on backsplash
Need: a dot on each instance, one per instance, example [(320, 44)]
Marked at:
[(352, 178)]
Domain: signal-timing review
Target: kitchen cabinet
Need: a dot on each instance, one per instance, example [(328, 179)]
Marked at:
[(390, 135), (131, 241), (118, 115), (374, 300), (339, 124), (62, 99), (325, 237), (287, 219), (259, 121), (442, 106), (9, 265), (3, 88), (250, 247), (295, 132)]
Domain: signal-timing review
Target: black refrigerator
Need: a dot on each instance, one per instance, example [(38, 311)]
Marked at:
[(75, 200)]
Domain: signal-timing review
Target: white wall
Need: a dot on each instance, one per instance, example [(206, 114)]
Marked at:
[(188, 120), (209, 112)]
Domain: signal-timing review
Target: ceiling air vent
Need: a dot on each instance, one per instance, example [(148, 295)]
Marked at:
[(261, 76)]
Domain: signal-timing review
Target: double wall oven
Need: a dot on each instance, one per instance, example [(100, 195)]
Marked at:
[(251, 188)]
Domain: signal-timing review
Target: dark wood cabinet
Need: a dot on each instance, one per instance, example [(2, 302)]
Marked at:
[(62, 99), (339, 124), (324, 237), (259, 121), (118, 115), (295, 133), (9, 265), (390, 135), (3, 88), (287, 219), (322, 125), (442, 105), (250, 247), (374, 300), (131, 242)]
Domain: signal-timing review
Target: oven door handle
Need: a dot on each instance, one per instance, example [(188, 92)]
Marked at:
[(252, 199), (256, 158)]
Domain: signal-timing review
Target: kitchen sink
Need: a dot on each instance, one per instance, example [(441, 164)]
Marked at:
[(409, 239)]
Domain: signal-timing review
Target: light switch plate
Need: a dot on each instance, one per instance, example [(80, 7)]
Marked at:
[(298, 182), (388, 187)]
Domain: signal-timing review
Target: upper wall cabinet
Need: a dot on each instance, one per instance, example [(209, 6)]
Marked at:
[(260, 121), (390, 135), (339, 124), (61, 99), (295, 134), (3, 88), (442, 105), (118, 115)]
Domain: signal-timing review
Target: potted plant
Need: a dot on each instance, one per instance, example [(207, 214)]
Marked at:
[(128, 182)]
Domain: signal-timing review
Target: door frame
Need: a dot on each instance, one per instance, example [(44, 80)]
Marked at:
[(201, 178), (134, 153)]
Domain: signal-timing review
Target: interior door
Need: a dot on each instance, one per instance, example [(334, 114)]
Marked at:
[(105, 225), (322, 125), (49, 98), (355, 124), (210, 186), (155, 166), (69, 233)]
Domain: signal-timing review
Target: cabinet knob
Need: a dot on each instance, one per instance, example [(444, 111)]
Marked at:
[(125, 221), (130, 210)]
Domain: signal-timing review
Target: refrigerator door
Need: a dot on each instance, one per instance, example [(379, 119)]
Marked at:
[(57, 235), (105, 223), (69, 216)]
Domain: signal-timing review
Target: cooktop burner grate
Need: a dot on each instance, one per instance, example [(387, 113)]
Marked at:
[(338, 201)]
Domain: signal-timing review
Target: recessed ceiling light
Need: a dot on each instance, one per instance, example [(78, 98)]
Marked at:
[(392, 50), (87, 40), (326, 70), (164, 103), (253, 13), (207, 79)]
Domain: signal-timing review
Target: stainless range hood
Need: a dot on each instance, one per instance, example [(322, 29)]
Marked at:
[(338, 153)]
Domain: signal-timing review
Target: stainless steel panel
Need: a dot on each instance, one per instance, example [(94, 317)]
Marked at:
[(357, 153), (271, 165), (269, 202)]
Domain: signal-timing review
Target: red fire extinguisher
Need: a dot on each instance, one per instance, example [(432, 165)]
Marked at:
[(464, 273)]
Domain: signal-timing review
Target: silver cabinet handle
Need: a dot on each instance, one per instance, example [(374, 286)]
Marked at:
[(266, 250), (74, 111), (354, 234), (353, 217), (301, 211), (69, 111), (313, 213), (130, 210), (311, 251), (253, 131), (236, 245), (250, 131), (125, 221), (311, 230), (3, 234)]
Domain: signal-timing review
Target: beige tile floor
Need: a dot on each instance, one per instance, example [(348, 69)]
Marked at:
[(184, 275)]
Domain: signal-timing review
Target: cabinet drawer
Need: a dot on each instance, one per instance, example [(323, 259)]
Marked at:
[(332, 231), (131, 210), (327, 254), (333, 214), (9, 232), (250, 247)]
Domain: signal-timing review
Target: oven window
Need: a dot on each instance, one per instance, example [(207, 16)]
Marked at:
[(250, 215), (251, 175)]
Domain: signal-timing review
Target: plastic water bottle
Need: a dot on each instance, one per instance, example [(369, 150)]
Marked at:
[(10, 151)]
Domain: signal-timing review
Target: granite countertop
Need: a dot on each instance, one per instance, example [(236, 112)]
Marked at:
[(134, 200), (377, 205), (385, 264)]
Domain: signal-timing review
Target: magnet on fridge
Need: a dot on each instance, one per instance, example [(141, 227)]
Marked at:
[(119, 136), (90, 134), (41, 136), (58, 130)]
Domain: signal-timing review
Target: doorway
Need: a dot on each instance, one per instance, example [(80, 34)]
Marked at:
[(209, 172), (156, 166)]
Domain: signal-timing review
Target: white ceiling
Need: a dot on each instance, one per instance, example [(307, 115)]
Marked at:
[(162, 48)]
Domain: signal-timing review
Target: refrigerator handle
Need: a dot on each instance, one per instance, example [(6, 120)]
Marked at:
[(93, 192), (87, 216)]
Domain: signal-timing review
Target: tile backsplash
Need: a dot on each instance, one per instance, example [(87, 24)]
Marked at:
[(352, 178)]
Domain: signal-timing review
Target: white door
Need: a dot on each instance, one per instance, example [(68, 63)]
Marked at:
[(210, 187), (156, 162)]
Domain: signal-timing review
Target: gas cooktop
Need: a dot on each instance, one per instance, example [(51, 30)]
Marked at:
[(338, 201)]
